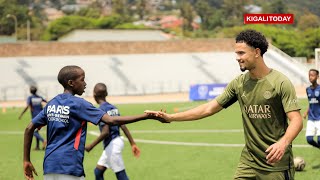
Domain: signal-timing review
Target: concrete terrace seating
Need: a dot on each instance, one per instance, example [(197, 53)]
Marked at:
[(133, 74)]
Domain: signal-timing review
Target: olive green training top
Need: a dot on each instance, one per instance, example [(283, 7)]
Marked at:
[(264, 104)]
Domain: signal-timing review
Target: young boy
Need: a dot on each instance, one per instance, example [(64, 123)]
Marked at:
[(313, 111), (35, 103), (113, 145), (66, 117)]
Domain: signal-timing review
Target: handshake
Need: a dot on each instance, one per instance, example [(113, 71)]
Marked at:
[(161, 116)]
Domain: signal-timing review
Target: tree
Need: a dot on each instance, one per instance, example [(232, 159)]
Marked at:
[(187, 14), (119, 7), (204, 11), (233, 12), (66, 24), (92, 11), (142, 8), (311, 40), (7, 26), (277, 6), (308, 21)]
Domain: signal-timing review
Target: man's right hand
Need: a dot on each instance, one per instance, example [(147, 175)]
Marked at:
[(158, 115)]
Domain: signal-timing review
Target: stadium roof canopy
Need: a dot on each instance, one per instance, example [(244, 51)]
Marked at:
[(114, 35)]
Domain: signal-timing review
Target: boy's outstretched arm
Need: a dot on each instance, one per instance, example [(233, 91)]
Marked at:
[(27, 165), (196, 113), (104, 133), (134, 147), (119, 120)]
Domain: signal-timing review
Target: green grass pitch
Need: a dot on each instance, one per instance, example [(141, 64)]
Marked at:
[(157, 161)]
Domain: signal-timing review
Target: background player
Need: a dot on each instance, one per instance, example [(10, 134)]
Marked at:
[(267, 99), (35, 103), (112, 143), (66, 117), (313, 111)]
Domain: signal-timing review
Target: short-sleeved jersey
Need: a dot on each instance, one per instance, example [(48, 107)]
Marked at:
[(66, 118), (114, 132), (34, 101), (264, 104), (314, 102)]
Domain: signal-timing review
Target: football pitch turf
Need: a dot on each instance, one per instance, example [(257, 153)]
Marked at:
[(207, 149)]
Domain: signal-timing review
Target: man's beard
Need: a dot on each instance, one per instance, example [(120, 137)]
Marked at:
[(243, 69)]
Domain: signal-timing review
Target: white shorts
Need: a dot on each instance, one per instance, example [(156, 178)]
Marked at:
[(313, 128), (62, 177), (111, 156)]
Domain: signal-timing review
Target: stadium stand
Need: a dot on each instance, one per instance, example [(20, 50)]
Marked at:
[(134, 74)]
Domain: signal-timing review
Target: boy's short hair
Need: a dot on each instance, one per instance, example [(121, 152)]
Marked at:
[(100, 90), (254, 39), (33, 89), (67, 73), (317, 72)]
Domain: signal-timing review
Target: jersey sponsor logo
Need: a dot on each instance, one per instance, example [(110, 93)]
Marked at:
[(36, 101), (58, 109), (113, 112), (258, 111), (267, 94), (58, 113), (313, 101)]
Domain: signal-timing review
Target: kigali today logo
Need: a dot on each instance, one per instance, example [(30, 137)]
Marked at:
[(268, 18)]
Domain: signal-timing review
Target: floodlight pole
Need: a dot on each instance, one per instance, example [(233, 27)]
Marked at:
[(15, 25)]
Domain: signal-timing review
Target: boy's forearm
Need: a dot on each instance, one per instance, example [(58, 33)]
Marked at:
[(104, 133), (96, 141), (128, 134), (119, 120), (28, 134)]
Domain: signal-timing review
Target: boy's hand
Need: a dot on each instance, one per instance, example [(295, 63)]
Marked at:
[(135, 151), (88, 148), (161, 116), (29, 170)]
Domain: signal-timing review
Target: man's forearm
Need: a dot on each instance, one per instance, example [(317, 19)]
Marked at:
[(294, 128)]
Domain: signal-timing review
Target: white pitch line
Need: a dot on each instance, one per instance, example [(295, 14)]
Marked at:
[(188, 131), (193, 144), (12, 132)]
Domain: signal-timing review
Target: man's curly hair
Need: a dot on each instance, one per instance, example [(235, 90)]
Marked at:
[(254, 39)]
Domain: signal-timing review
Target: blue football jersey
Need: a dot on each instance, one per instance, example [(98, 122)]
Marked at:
[(66, 117), (34, 101), (314, 103), (114, 132)]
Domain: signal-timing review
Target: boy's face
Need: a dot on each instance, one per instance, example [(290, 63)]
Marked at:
[(79, 84), (313, 77)]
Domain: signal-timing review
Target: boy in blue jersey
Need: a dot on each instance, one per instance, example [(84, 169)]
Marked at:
[(35, 103), (313, 111), (112, 143), (66, 117)]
